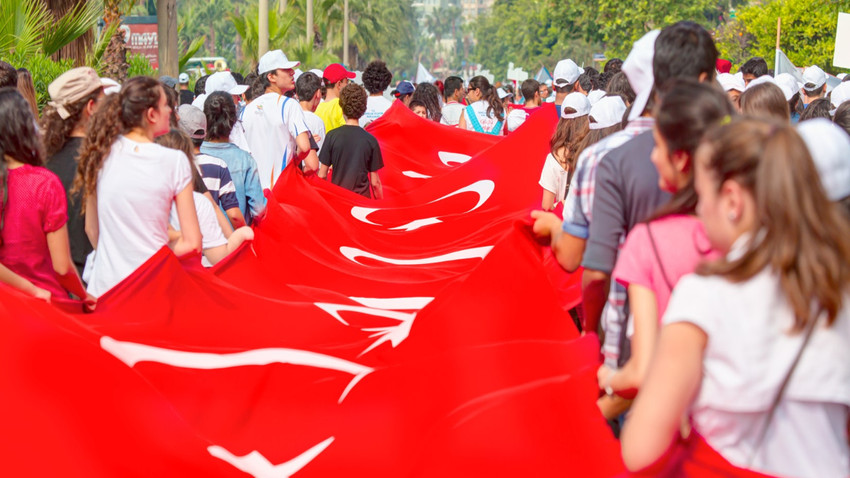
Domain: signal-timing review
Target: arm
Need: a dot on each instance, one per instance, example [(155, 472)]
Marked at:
[(223, 223), (190, 231), (462, 122), (236, 217), (253, 191), (91, 226), (548, 200), (594, 294), (323, 171), (672, 382), (305, 153), (14, 280), (63, 266), (216, 254), (645, 315), (377, 187), (567, 248)]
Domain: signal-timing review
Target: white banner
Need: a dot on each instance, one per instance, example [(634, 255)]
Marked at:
[(841, 59)]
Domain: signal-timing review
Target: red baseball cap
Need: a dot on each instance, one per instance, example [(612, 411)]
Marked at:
[(335, 72)]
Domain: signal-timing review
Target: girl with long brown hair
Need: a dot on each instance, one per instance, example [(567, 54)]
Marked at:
[(658, 252), (560, 162), (74, 97), (34, 250), (755, 348), (129, 184), (485, 113)]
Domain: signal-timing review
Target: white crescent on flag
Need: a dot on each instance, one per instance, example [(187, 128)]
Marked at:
[(483, 188)]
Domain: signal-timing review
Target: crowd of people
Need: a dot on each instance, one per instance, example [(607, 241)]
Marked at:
[(710, 213)]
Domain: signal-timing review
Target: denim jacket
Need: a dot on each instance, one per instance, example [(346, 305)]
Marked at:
[(243, 172)]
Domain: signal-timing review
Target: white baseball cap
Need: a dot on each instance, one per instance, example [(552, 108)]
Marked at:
[(789, 85), (224, 81), (566, 73), (607, 112), (813, 76), (841, 76), (638, 69), (110, 86), (502, 93), (183, 78), (274, 60), (840, 94), (730, 82), (199, 101), (595, 96), (829, 146), (576, 101)]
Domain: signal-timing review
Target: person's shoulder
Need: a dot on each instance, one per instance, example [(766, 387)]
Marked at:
[(205, 159)]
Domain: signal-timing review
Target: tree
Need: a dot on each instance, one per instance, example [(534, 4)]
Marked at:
[(808, 30), (28, 27), (115, 56)]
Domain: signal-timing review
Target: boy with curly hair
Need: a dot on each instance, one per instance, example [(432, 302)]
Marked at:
[(376, 79), (352, 153)]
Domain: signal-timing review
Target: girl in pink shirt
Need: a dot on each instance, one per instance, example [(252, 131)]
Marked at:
[(673, 242), (34, 249)]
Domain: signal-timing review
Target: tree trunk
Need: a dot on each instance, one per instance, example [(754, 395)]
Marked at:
[(263, 29), (114, 59), (166, 19), (345, 35), (79, 48)]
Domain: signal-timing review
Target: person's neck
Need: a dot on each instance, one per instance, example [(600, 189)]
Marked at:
[(376, 94), (217, 140), (531, 104), (139, 135), (331, 95), (79, 131), (352, 122), (12, 163)]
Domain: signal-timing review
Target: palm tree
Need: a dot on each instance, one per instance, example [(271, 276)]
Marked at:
[(27, 27), (115, 57)]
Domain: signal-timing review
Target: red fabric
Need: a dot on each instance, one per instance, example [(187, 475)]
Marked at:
[(425, 338), (36, 206), (693, 458)]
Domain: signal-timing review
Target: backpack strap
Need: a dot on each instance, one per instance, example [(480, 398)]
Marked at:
[(473, 119)]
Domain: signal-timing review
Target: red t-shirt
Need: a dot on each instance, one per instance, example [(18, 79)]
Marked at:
[(36, 206)]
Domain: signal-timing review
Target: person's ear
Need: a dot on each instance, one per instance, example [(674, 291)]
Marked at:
[(681, 161), (150, 114)]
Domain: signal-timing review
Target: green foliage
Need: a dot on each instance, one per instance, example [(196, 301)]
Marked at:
[(246, 26), (139, 66), (43, 70), (193, 48), (27, 27), (807, 35)]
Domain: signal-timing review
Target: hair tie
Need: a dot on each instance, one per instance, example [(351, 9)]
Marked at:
[(725, 120)]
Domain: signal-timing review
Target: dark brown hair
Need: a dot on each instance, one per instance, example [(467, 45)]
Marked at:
[(804, 240), (352, 100), (842, 116), (686, 110), (818, 108), (27, 89), (568, 135), (429, 96), (765, 100), (56, 130), (594, 136), (118, 114), (220, 112), (18, 137), (488, 94)]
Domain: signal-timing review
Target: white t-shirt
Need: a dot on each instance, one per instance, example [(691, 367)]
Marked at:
[(487, 121), (516, 118), (239, 138), (451, 113), (553, 178), (748, 354), (376, 106), (316, 126), (211, 233), (135, 190), (272, 122)]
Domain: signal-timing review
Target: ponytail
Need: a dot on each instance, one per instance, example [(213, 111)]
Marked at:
[(117, 115), (495, 104)]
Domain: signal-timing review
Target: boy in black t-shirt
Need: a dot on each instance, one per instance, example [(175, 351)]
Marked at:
[(353, 153)]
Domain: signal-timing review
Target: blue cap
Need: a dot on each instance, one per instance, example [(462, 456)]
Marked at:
[(404, 88)]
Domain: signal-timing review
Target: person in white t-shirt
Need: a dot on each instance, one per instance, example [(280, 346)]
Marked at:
[(485, 113), (129, 184), (274, 123), (308, 89), (224, 81), (530, 90), (775, 308), (454, 92), (561, 160), (376, 78), (215, 244)]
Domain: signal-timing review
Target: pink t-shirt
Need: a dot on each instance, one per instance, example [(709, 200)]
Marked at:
[(682, 244), (36, 206)]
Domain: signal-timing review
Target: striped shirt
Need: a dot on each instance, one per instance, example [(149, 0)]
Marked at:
[(217, 179)]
